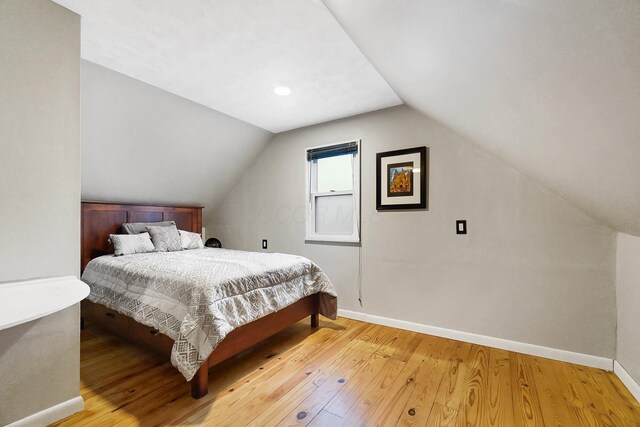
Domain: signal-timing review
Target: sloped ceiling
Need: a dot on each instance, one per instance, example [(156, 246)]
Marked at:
[(142, 144), (550, 86), (229, 55)]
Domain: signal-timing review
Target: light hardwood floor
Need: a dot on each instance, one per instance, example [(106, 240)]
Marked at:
[(349, 373)]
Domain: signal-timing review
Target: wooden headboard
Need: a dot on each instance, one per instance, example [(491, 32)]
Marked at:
[(99, 219)]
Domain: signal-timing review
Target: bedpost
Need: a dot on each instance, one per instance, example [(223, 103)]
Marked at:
[(315, 320), (200, 381)]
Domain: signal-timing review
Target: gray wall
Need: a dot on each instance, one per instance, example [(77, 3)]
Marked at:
[(40, 193), (39, 364), (533, 268), (628, 297), (552, 87), (39, 140), (142, 144)]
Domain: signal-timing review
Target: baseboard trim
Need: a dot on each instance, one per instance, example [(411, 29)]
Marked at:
[(515, 346), (52, 414), (627, 380)]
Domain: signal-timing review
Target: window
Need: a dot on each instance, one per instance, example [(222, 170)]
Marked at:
[(333, 193)]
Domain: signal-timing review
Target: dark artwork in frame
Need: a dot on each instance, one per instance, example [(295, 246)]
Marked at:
[(402, 179)]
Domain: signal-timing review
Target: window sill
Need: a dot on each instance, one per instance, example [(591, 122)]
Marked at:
[(332, 241)]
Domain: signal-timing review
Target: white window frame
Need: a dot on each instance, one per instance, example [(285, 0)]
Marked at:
[(312, 194)]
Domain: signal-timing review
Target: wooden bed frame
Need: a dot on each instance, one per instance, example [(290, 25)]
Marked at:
[(99, 219)]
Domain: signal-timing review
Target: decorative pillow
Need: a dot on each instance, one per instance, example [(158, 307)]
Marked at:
[(190, 240), (165, 239), (141, 227), (125, 244)]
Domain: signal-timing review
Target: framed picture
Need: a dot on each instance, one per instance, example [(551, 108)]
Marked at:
[(401, 179)]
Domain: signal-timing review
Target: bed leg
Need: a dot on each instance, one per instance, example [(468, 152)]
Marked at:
[(200, 382), (315, 320)]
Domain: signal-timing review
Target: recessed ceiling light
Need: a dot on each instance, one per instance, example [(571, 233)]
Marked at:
[(282, 90)]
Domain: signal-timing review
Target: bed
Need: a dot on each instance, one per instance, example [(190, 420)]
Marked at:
[(200, 306)]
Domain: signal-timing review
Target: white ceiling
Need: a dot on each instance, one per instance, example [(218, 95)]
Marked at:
[(550, 86), (230, 54)]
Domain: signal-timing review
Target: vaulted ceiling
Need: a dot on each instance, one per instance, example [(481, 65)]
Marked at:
[(230, 55), (550, 86)]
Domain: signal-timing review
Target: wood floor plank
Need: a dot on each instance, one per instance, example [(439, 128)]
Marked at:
[(474, 406), (526, 404), (348, 373), (391, 406), (450, 391), (348, 395), (499, 399), (608, 410), (444, 416), (429, 384), (577, 408), (587, 407), (622, 392), (617, 405), (552, 403), (373, 395)]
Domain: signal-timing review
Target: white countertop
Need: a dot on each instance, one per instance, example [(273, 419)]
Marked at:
[(28, 300)]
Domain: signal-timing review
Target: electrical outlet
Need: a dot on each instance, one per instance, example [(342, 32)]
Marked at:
[(461, 226), (264, 243)]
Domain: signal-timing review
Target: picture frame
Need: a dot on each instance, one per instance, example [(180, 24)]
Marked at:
[(402, 179)]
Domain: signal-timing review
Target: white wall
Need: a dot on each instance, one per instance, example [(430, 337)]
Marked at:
[(40, 193), (142, 144), (628, 298), (533, 268)]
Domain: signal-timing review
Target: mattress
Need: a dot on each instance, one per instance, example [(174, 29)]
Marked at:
[(196, 297)]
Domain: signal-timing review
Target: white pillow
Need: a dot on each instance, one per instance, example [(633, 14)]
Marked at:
[(190, 240), (125, 244)]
